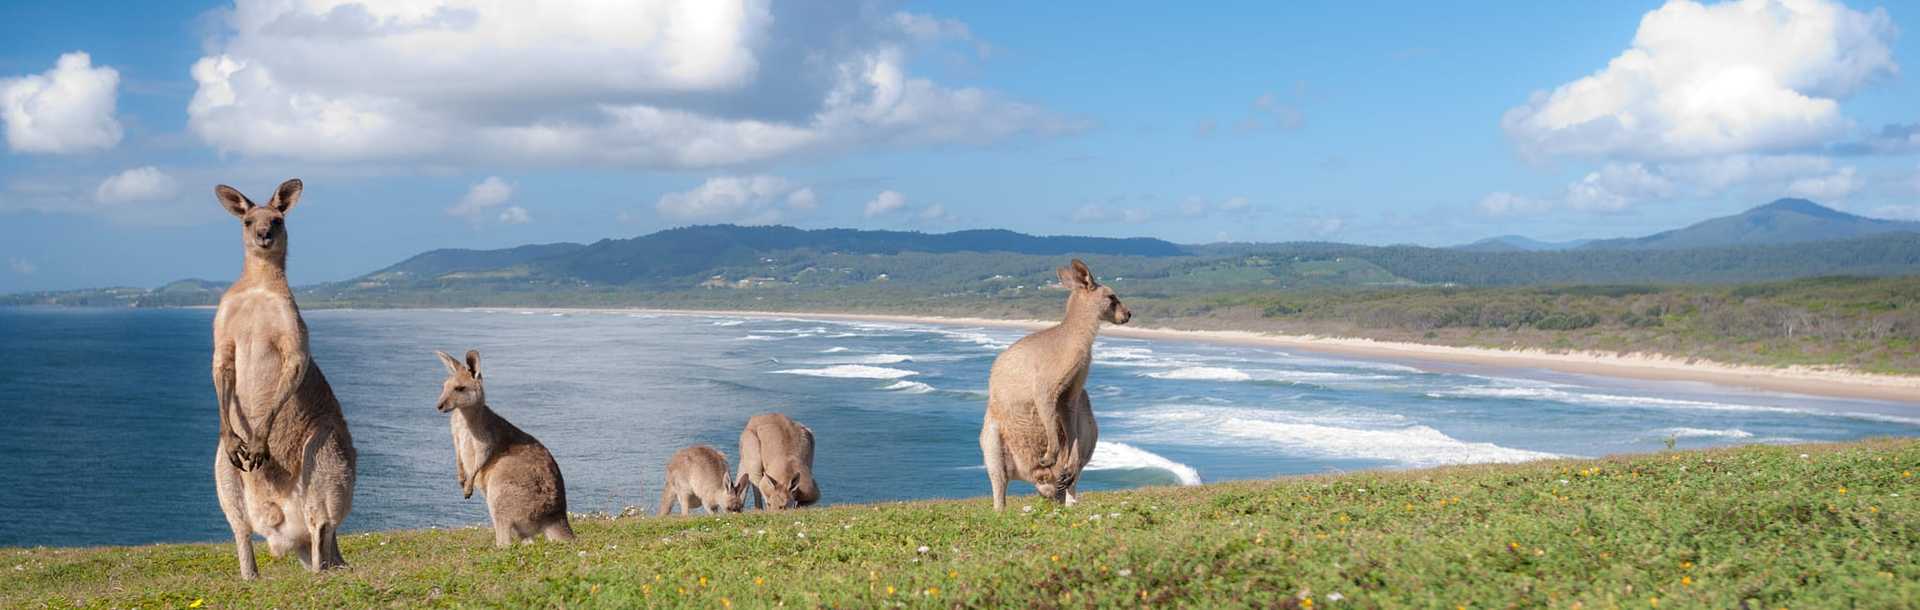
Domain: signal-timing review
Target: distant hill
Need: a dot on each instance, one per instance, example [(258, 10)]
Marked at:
[(1516, 243), (693, 251), (434, 263), (1782, 222)]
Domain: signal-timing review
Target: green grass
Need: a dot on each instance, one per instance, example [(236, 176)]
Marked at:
[(1764, 527)]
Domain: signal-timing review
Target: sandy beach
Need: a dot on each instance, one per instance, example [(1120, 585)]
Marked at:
[(1796, 380)]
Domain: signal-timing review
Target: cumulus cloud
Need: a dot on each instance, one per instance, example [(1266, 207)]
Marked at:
[(486, 196), (66, 110), (22, 266), (754, 200), (1096, 213), (655, 84), (1200, 207), (1509, 204), (1750, 76), (137, 184), (887, 202)]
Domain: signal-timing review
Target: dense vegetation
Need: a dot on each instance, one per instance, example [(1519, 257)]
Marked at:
[(1828, 526)]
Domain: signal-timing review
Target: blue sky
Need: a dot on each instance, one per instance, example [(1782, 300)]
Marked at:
[(438, 124)]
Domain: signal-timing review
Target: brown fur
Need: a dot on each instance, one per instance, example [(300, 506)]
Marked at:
[(284, 464), (697, 476), (525, 494), (1037, 399), (776, 457)]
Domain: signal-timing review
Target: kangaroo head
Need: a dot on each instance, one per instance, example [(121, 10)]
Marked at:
[(782, 489), (1089, 297), (736, 499), (462, 389), (263, 227)]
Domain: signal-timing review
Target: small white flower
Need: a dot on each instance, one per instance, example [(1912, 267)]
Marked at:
[(922, 549), (1563, 481), (1125, 572), (1094, 517), (583, 553), (1803, 456), (761, 532), (800, 534), (1335, 596), (1026, 509), (1114, 515)]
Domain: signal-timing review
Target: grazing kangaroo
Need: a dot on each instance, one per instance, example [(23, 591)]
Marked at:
[(697, 476), (776, 456), (284, 465), (525, 494), (1037, 396)]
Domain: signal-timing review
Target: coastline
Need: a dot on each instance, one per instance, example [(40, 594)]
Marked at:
[(1794, 380)]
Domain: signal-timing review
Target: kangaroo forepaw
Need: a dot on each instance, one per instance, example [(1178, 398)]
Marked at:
[(254, 458)]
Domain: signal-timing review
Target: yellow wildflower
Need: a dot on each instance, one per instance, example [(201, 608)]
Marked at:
[(197, 602), (889, 589), (1686, 565), (1056, 559), (956, 573), (758, 581), (1306, 603), (1843, 490), (703, 581), (933, 591), (726, 603), (1655, 601)]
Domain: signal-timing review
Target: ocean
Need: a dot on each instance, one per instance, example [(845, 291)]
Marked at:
[(109, 419)]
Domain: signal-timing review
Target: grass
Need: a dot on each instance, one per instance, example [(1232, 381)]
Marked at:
[(1758, 527)]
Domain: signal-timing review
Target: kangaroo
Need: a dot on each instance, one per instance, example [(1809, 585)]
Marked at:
[(1037, 396), (697, 476), (525, 494), (776, 456), (284, 464)]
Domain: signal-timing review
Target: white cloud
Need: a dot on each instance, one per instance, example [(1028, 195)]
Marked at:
[(1199, 207), (66, 110), (1096, 213), (1749, 76), (754, 200), (1831, 187), (1509, 204), (137, 184), (22, 266), (887, 202), (1615, 186), (657, 84), (484, 197), (515, 215)]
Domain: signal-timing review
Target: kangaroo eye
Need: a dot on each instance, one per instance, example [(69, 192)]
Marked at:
[(276, 222), (248, 222)]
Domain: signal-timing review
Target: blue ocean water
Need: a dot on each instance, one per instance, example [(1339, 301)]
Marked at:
[(109, 420)]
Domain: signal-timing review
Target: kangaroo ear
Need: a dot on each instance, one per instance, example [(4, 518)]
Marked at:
[(1075, 275), (453, 366), (287, 195), (231, 199), (473, 362)]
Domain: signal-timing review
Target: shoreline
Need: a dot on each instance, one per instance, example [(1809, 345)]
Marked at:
[(1793, 380)]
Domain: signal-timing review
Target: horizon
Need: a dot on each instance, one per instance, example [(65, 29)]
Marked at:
[(1336, 123)]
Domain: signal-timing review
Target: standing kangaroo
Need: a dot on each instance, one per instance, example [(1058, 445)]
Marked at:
[(697, 476), (1037, 396), (524, 492), (284, 466), (776, 456)]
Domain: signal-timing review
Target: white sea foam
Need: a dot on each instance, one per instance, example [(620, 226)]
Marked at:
[(729, 322), (909, 387), (1109, 455), (833, 350), (1595, 399), (1321, 436), (759, 338), (1202, 373), (861, 359), (1219, 373), (852, 371), (1702, 433)]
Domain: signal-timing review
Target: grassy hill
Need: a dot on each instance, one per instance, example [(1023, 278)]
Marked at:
[(1829, 526), (1782, 222)]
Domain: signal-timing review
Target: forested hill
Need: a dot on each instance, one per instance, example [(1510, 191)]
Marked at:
[(1784, 221)]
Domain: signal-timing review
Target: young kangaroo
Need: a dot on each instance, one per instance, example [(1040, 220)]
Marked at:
[(776, 456), (1037, 396), (525, 494), (697, 476), (284, 465)]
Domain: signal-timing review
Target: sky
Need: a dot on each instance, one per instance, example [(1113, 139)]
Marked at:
[(425, 124)]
